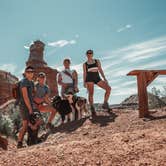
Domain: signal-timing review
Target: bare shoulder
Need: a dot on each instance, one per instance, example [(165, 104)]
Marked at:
[(98, 62)]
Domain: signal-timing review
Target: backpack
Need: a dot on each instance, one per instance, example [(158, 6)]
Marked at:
[(16, 92)]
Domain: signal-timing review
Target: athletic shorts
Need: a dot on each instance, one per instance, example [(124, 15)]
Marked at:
[(24, 112), (93, 77)]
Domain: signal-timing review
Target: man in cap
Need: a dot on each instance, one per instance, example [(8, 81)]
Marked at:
[(26, 101)]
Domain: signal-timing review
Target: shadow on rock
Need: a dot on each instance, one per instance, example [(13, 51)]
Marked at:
[(151, 117), (70, 126), (104, 120)]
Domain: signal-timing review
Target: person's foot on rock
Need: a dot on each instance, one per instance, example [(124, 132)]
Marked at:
[(20, 145), (92, 108), (106, 106)]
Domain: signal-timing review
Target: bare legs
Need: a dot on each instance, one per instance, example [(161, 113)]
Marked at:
[(107, 88), (102, 84), (48, 109), (23, 130)]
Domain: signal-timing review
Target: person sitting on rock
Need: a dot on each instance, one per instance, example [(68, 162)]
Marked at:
[(42, 100)]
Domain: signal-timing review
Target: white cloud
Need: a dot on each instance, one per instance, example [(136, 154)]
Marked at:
[(144, 55), (61, 43), (28, 45), (124, 91), (161, 80), (134, 56), (128, 26), (9, 68)]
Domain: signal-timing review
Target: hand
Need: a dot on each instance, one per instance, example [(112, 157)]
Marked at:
[(76, 89), (64, 85), (30, 111), (38, 100), (85, 86), (106, 80)]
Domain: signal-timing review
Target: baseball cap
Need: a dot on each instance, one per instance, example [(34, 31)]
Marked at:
[(41, 74), (29, 69)]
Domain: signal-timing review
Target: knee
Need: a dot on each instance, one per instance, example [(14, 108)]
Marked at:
[(108, 89), (25, 125), (90, 95)]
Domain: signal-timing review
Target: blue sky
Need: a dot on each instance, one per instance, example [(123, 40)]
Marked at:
[(124, 34)]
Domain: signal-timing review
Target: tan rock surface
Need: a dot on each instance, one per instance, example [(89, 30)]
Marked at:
[(117, 139)]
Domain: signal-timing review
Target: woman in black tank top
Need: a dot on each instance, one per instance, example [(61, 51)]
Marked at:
[(91, 70)]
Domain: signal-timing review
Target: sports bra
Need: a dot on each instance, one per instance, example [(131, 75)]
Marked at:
[(90, 67)]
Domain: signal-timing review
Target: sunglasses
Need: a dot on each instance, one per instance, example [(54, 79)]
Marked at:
[(89, 53), (41, 76)]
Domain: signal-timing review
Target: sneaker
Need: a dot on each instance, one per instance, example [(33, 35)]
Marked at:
[(19, 145), (92, 108), (106, 106)]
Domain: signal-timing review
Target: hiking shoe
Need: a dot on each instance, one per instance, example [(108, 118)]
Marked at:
[(106, 106), (19, 145), (92, 108), (49, 126)]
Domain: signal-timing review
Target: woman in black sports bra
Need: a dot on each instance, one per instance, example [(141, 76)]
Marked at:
[(91, 70)]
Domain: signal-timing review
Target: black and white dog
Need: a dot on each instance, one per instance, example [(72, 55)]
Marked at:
[(62, 106), (79, 104), (35, 121)]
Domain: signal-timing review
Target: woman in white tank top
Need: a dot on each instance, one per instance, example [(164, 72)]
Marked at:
[(68, 79)]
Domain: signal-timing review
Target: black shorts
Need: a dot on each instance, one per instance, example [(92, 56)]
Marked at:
[(93, 77), (24, 112)]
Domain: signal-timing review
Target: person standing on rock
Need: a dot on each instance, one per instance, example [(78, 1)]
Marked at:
[(91, 69), (42, 100), (68, 79), (26, 102)]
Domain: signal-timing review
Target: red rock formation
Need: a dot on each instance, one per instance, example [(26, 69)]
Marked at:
[(36, 60), (6, 82)]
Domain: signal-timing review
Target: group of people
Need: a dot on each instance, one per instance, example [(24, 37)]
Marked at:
[(36, 96)]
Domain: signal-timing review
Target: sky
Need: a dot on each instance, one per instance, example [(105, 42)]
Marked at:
[(124, 34)]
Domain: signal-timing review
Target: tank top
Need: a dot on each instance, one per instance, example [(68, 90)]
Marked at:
[(65, 78), (90, 67)]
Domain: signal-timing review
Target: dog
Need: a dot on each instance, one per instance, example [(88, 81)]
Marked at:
[(79, 104), (62, 106), (35, 121)]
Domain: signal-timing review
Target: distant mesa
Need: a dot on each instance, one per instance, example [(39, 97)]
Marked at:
[(153, 101)]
